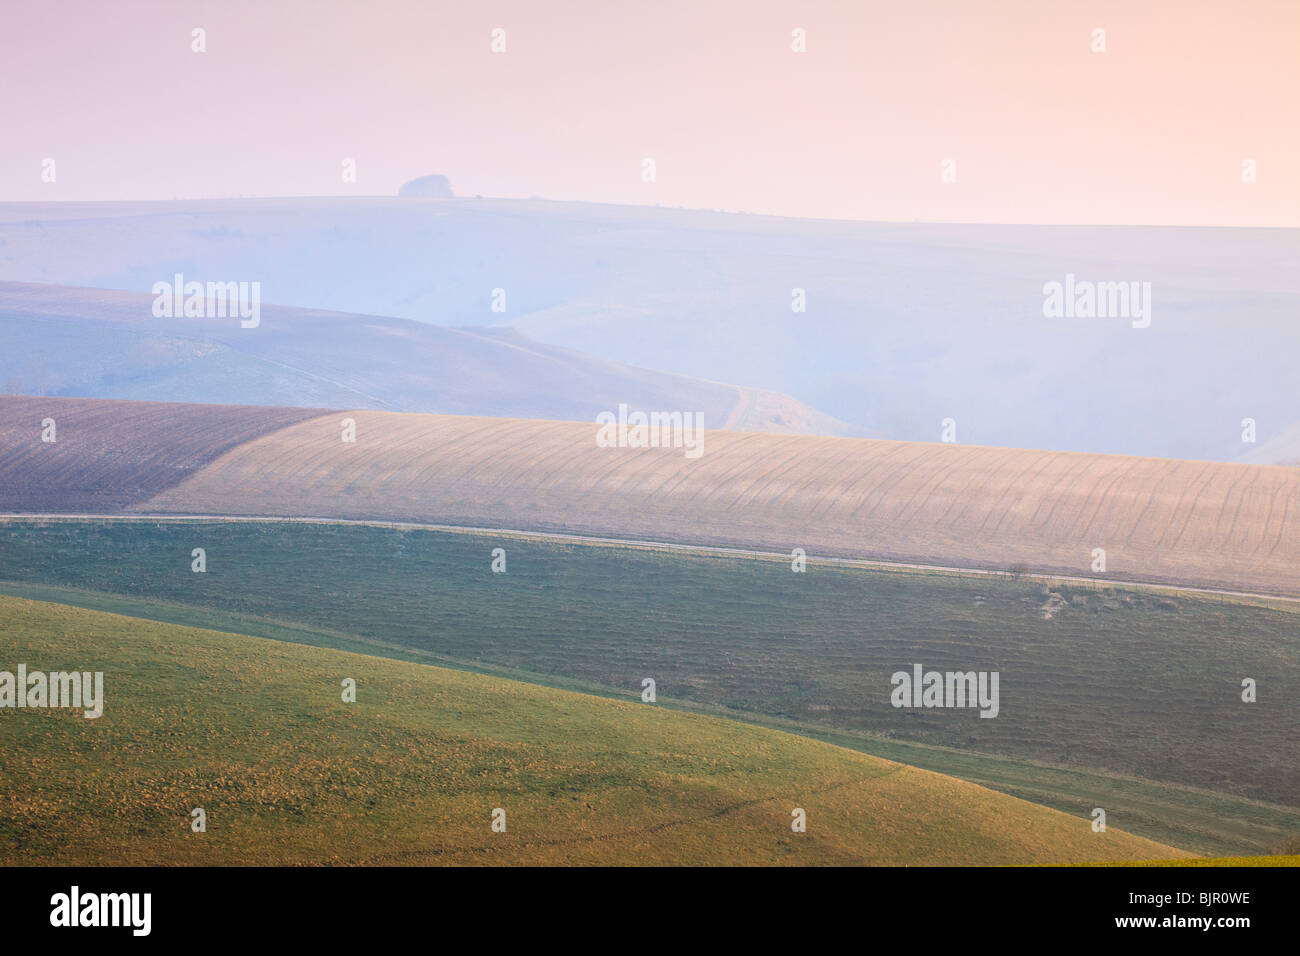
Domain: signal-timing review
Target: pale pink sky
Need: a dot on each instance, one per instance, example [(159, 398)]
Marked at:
[(1042, 130)]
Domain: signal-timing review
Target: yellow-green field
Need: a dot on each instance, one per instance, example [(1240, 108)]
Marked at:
[(255, 732), (1283, 860)]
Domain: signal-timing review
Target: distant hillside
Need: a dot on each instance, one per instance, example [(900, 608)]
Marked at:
[(106, 344), (413, 770), (906, 324), (1283, 449)]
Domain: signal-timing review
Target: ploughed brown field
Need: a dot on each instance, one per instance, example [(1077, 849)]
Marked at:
[(1182, 522), (108, 454)]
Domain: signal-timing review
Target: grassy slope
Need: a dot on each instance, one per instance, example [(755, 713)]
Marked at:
[(730, 632), (255, 733)]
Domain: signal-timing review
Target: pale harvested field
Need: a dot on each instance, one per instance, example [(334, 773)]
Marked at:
[(1190, 522)]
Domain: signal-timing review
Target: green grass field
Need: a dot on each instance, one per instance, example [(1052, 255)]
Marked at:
[(256, 733), (1128, 700)]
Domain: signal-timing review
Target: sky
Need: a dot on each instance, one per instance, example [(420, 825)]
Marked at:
[(1157, 129)]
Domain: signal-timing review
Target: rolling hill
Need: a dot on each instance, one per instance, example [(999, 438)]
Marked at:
[(905, 324), (256, 734), (1090, 667), (1125, 698), (69, 341), (1178, 522)]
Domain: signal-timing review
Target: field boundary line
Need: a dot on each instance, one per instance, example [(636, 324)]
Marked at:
[(646, 544)]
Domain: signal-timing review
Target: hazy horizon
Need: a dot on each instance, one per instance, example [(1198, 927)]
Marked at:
[(1039, 129), (646, 206)]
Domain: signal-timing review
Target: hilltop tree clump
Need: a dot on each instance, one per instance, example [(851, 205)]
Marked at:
[(427, 187)]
